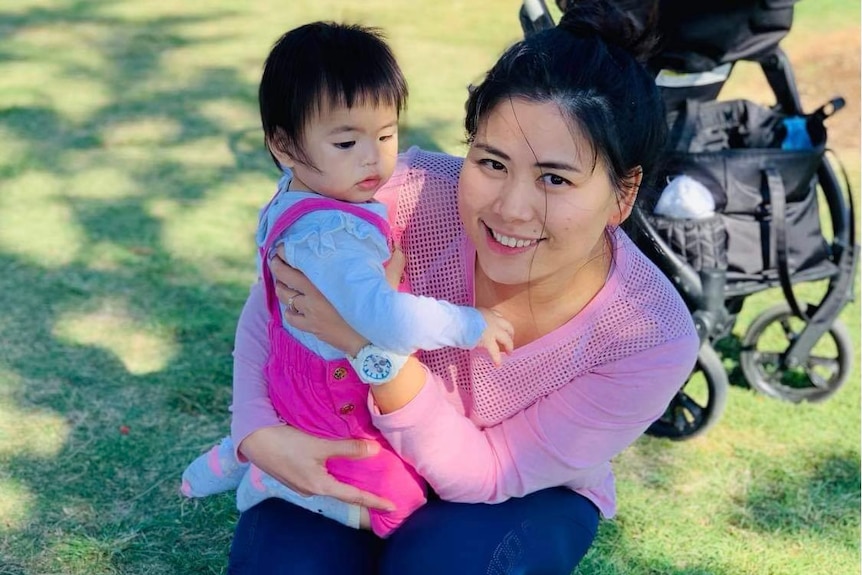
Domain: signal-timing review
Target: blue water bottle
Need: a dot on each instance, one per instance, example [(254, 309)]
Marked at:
[(796, 137)]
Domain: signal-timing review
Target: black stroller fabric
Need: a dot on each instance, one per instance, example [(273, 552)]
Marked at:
[(699, 35), (701, 243), (767, 220)]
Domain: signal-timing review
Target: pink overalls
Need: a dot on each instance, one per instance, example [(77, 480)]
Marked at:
[(327, 399)]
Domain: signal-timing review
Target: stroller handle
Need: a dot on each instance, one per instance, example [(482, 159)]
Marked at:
[(535, 17)]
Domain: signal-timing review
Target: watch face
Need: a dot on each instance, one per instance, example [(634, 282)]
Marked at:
[(376, 367)]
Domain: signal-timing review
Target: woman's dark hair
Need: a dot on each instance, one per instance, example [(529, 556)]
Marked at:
[(591, 66), (324, 64)]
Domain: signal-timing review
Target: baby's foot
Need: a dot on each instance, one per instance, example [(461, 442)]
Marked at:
[(257, 486), (215, 471)]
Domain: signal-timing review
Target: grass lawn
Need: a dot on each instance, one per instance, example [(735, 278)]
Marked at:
[(131, 172)]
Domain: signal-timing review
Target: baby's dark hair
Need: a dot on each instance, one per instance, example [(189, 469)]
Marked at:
[(324, 64), (591, 67)]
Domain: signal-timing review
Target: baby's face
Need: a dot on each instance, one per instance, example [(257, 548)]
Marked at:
[(354, 149)]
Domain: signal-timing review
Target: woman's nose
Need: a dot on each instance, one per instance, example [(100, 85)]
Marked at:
[(513, 200)]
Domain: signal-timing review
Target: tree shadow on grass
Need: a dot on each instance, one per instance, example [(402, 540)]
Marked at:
[(105, 499), (807, 496), (103, 484), (616, 553), (816, 494)]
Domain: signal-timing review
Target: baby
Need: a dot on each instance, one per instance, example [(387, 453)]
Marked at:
[(330, 100)]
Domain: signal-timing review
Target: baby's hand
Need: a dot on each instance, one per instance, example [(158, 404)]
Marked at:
[(497, 337)]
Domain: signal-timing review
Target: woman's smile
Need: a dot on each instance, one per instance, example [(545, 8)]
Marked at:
[(509, 243), (531, 185)]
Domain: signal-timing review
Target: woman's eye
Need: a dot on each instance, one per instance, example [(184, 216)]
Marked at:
[(555, 180), (492, 164), (344, 145)]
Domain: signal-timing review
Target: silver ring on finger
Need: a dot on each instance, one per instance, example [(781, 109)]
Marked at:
[(291, 306)]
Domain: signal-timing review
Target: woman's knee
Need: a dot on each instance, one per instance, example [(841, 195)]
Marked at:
[(276, 537), (545, 532)]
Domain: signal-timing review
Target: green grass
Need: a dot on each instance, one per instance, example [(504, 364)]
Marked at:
[(130, 177)]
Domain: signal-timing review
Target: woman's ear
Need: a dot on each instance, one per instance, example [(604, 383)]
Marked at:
[(627, 197)]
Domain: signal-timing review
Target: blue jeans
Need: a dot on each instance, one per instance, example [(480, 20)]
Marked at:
[(547, 532)]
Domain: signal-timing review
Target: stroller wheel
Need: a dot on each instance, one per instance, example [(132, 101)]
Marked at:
[(820, 375), (699, 404)]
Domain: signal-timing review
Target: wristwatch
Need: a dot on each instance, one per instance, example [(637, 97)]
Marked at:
[(375, 365)]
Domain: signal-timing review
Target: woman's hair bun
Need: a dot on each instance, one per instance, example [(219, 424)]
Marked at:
[(625, 24)]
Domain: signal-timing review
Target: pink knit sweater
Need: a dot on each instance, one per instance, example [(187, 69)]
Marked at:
[(555, 412)]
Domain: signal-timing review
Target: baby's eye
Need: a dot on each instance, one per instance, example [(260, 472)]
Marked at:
[(345, 145), (555, 180), (386, 138)]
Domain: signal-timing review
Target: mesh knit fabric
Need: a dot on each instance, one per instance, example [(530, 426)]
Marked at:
[(636, 315)]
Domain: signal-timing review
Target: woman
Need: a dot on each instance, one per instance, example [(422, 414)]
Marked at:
[(563, 133)]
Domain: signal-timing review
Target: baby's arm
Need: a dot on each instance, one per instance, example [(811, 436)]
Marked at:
[(351, 276)]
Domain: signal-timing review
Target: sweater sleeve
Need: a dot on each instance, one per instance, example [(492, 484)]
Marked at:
[(251, 408), (566, 438), (351, 276)]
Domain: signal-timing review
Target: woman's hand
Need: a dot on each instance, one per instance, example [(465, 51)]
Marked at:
[(298, 460), (309, 311)]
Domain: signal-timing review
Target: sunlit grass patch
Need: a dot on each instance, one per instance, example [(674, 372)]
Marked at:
[(81, 554), (152, 131), (33, 225), (38, 432), (140, 348), (194, 230), (15, 505)]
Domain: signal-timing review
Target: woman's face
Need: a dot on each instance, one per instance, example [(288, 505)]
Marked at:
[(532, 199)]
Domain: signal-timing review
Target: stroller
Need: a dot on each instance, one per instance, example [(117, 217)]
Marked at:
[(765, 169)]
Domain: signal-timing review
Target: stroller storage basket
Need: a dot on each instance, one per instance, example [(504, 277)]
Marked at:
[(701, 243), (763, 170), (756, 225), (765, 195)]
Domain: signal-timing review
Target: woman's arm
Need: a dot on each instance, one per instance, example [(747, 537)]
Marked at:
[(293, 457), (251, 407), (565, 438), (321, 318)]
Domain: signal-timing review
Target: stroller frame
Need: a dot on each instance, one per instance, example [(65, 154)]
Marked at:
[(714, 301)]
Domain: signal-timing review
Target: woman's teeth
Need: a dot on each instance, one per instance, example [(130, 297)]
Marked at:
[(512, 242)]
